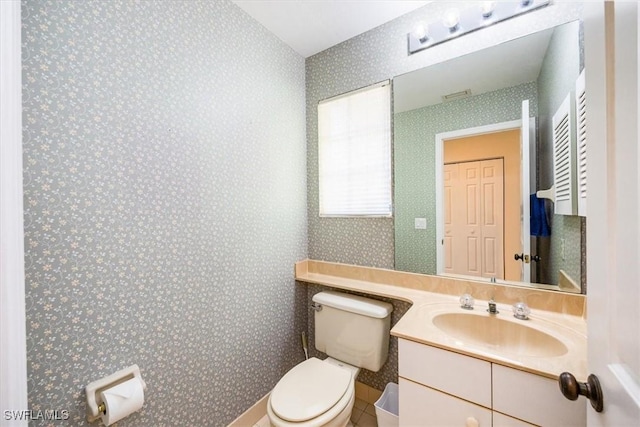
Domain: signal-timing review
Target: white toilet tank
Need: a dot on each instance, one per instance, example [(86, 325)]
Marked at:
[(353, 329)]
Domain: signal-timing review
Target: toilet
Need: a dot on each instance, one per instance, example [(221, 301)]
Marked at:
[(354, 332)]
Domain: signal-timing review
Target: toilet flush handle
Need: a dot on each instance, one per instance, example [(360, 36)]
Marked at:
[(316, 306)]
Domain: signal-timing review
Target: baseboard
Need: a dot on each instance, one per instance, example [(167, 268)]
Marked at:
[(367, 393), (251, 416)]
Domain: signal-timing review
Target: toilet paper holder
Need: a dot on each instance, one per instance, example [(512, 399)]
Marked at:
[(95, 407)]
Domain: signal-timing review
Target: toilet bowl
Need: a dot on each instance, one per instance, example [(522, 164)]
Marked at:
[(354, 332), (314, 393)]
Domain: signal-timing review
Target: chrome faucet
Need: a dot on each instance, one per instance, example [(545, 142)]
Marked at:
[(492, 307)]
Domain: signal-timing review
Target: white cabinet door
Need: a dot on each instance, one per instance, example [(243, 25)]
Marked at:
[(425, 407), (534, 399), (446, 371)]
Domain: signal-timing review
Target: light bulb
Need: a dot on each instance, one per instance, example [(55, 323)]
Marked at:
[(421, 32), (487, 8), (451, 20)]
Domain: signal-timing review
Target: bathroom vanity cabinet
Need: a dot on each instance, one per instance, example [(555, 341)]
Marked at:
[(440, 387), (453, 387)]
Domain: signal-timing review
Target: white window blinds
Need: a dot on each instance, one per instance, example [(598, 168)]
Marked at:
[(354, 153)]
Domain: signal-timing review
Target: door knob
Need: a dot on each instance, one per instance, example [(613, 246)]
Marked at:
[(518, 257), (535, 258), (571, 389)]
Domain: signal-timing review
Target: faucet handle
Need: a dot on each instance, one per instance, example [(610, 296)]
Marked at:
[(467, 301), (521, 311)]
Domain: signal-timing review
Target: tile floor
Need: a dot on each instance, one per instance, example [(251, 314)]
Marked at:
[(363, 415)]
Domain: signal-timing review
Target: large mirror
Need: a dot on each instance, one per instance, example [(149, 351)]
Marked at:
[(472, 146)]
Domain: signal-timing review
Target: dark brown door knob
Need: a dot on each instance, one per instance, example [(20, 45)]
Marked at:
[(571, 389)]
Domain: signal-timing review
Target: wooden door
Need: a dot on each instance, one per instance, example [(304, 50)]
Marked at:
[(474, 218), (492, 218)]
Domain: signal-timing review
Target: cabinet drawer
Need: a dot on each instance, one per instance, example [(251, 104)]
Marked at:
[(535, 399), (446, 371), (426, 407)]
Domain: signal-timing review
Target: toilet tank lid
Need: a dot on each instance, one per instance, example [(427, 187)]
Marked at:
[(354, 304)]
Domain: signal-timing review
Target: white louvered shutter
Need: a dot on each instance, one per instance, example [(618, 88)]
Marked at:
[(581, 131), (564, 158)]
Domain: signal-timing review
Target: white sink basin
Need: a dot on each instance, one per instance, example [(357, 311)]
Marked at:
[(495, 333)]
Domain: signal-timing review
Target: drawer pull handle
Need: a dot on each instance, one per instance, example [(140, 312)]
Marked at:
[(472, 422)]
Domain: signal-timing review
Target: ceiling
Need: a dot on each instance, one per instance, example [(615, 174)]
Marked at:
[(311, 26)]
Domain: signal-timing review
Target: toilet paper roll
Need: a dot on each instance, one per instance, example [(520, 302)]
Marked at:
[(122, 400)]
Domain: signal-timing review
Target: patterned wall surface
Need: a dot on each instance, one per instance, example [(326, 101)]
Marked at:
[(165, 205), (414, 157)]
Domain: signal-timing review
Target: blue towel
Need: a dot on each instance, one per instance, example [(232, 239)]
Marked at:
[(538, 222)]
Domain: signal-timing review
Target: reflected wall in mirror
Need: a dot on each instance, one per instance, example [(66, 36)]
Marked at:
[(462, 116)]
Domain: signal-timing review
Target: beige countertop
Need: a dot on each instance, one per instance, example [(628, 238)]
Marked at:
[(557, 314)]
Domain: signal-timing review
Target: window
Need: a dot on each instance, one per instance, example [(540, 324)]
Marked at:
[(354, 153)]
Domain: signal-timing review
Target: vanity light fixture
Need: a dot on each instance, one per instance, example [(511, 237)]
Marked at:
[(421, 32), (456, 23), (487, 9), (451, 20)]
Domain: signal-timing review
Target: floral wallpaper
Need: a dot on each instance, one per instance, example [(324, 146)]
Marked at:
[(165, 205)]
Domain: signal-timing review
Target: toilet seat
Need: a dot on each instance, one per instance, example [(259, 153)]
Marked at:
[(294, 398), (308, 390)]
